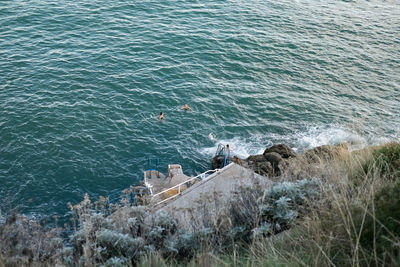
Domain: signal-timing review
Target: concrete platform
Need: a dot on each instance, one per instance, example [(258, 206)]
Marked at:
[(212, 194)]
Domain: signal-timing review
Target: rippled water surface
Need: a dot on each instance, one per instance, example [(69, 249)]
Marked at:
[(82, 84)]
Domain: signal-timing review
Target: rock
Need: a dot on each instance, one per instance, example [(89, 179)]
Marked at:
[(275, 159), (259, 165), (237, 160), (267, 164), (217, 162), (256, 158), (283, 150), (265, 168), (273, 162)]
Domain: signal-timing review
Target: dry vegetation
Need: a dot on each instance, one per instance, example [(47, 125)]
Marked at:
[(345, 211)]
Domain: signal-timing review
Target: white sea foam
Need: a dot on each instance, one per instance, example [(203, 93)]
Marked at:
[(331, 135), (310, 137), (240, 147), (334, 134)]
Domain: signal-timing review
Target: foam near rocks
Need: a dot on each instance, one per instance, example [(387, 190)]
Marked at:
[(240, 147)]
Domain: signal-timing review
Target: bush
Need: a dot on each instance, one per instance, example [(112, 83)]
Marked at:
[(124, 236), (387, 160), (24, 240), (381, 230), (184, 246), (384, 162), (256, 214)]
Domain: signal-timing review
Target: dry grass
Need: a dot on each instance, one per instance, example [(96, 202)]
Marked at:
[(334, 232)]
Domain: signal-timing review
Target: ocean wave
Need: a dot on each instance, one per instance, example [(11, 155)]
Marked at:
[(301, 140)]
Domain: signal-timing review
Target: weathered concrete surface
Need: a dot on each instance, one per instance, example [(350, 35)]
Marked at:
[(159, 182), (212, 194)]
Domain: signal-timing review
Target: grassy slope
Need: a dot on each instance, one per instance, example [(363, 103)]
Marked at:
[(357, 223)]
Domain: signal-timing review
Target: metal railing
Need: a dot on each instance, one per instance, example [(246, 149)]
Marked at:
[(180, 185), (223, 151)]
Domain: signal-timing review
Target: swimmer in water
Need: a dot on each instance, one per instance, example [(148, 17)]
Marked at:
[(186, 107), (212, 138), (161, 117)]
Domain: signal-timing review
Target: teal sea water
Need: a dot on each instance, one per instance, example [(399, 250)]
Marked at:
[(82, 84)]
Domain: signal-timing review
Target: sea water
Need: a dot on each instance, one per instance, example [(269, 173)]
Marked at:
[(82, 84)]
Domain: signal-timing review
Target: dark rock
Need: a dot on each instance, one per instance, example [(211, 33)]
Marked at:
[(275, 159), (265, 168), (217, 162), (256, 158), (261, 167), (283, 150), (268, 164)]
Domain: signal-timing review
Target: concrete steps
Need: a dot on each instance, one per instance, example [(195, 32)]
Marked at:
[(212, 194)]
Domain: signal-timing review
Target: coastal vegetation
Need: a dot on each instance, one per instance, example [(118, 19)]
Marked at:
[(343, 211)]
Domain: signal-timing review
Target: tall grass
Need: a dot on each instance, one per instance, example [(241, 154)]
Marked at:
[(356, 222)]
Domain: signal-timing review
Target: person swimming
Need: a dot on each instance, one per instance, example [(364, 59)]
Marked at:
[(186, 107), (212, 138), (161, 116)]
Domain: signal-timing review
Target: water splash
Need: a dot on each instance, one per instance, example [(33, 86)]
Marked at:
[(241, 147)]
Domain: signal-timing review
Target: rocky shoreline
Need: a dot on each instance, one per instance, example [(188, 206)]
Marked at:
[(280, 160)]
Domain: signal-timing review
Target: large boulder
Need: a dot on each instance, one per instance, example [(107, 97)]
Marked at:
[(269, 164), (256, 158), (283, 150), (275, 159), (264, 168)]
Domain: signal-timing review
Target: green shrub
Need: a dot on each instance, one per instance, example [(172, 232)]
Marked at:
[(384, 162), (387, 160), (116, 262), (381, 230), (184, 246), (286, 201), (255, 214)]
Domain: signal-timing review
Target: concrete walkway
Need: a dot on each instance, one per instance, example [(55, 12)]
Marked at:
[(211, 195)]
